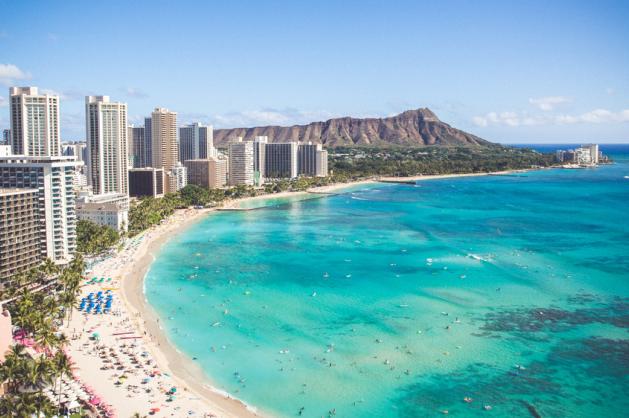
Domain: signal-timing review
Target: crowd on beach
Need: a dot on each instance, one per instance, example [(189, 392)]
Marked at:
[(113, 350)]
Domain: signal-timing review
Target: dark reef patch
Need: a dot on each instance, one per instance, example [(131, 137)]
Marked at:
[(552, 319)]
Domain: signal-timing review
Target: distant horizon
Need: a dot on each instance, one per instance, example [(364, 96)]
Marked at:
[(502, 71)]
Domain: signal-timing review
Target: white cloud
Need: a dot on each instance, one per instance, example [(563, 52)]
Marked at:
[(10, 73), (513, 119), (61, 95), (549, 102), (3, 102), (135, 92), (260, 117)]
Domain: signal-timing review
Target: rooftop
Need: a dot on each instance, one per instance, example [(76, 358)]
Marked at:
[(12, 191)]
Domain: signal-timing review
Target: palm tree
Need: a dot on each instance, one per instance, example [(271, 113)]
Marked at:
[(10, 372), (26, 404), (62, 366), (49, 268), (46, 337), (68, 300), (31, 376), (8, 405), (43, 405)]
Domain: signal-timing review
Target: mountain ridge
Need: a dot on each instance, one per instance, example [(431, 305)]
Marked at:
[(417, 127)]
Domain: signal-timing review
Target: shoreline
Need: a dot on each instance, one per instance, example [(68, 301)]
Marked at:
[(130, 268), (166, 353)]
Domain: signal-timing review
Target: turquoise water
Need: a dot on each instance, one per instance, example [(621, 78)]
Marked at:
[(402, 300)]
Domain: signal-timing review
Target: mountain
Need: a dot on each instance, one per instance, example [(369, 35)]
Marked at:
[(411, 128)]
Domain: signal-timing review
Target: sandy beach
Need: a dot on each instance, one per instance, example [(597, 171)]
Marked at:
[(131, 332), (131, 364)]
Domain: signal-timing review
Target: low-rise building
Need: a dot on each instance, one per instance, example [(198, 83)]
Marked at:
[(147, 181), (20, 232), (106, 209)]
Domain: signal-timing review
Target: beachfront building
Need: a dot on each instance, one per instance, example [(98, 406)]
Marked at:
[(585, 155), (307, 159), (312, 160), (106, 133), (146, 181), (176, 178), (5, 150), (34, 122), (594, 152), (137, 147), (240, 167), (210, 173), (6, 137), (196, 142), (53, 178), (105, 209), (321, 166), (281, 160), (20, 232), (259, 159)]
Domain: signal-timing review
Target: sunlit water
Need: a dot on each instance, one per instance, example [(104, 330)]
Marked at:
[(402, 300)]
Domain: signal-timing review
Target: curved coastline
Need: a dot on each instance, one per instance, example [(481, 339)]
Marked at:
[(133, 265), (146, 319)]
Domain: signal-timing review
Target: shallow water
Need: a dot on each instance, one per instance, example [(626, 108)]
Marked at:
[(399, 301)]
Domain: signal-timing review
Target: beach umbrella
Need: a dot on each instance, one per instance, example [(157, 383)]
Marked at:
[(95, 400)]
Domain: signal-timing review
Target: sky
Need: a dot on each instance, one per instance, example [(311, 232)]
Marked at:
[(511, 72)]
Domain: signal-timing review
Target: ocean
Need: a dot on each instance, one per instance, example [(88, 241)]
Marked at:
[(503, 296)]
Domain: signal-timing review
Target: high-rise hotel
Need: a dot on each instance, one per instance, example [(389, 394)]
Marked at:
[(241, 157), (165, 149), (106, 134), (52, 177), (20, 232), (34, 122), (196, 142)]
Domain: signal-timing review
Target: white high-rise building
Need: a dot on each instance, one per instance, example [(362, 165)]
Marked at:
[(196, 142), (106, 133), (53, 178), (35, 127), (241, 163), (594, 154), (322, 163)]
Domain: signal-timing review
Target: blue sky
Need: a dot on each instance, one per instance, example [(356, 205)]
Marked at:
[(548, 71)]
